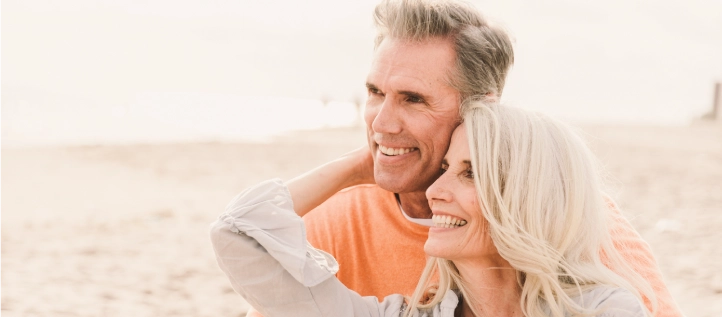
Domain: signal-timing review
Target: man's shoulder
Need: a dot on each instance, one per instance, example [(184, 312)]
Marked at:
[(368, 194), (352, 203), (345, 214), (364, 188)]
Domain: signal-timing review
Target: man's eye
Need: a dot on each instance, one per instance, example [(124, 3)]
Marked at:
[(374, 91), (414, 100)]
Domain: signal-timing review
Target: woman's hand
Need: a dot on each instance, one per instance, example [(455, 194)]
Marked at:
[(314, 187)]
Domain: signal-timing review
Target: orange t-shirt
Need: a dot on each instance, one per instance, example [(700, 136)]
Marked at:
[(636, 251), (380, 252)]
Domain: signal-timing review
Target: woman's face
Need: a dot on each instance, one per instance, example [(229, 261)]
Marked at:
[(460, 230)]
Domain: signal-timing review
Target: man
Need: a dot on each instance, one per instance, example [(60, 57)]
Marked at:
[(429, 56)]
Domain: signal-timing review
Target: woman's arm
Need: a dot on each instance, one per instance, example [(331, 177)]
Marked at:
[(260, 244), (314, 187)]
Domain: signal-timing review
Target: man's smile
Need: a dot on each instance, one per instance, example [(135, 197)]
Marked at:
[(389, 151)]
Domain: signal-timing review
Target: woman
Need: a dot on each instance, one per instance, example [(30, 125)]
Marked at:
[(520, 230)]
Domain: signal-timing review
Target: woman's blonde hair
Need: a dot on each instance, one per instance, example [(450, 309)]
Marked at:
[(538, 187)]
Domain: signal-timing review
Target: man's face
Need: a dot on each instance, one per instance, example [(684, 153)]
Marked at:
[(411, 112)]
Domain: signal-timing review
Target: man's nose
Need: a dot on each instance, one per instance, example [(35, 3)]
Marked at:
[(387, 119)]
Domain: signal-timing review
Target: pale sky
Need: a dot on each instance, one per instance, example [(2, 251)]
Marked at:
[(642, 61), (100, 48)]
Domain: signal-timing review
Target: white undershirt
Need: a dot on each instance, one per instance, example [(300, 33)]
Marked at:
[(419, 221)]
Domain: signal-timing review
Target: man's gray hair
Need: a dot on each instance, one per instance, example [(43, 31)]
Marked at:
[(484, 52)]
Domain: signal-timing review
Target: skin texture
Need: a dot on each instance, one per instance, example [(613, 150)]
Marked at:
[(411, 105)]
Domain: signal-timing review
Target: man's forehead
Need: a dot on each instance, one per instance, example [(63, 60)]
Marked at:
[(408, 65)]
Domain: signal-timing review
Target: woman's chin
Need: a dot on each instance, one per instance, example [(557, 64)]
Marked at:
[(432, 248)]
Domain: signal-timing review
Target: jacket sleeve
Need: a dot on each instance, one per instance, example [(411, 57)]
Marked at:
[(260, 244), (615, 302)]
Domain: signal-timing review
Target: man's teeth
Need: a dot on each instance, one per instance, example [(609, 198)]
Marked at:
[(394, 151), (447, 221)]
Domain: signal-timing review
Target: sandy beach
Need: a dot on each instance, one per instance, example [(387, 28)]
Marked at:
[(122, 230)]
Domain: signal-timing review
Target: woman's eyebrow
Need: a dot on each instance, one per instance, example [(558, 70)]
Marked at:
[(464, 162)]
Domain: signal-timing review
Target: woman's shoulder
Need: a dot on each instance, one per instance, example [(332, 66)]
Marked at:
[(613, 301), (445, 308)]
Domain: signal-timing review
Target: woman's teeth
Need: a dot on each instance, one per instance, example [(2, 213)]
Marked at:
[(441, 221), (395, 151)]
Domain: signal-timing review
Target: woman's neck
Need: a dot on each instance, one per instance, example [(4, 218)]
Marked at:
[(494, 283)]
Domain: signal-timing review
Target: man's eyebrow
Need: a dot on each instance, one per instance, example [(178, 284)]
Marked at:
[(371, 86), (407, 93), (412, 94)]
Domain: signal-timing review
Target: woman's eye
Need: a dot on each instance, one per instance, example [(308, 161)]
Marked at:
[(469, 174), (444, 167)]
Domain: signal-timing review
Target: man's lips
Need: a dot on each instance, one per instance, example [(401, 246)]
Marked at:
[(394, 151)]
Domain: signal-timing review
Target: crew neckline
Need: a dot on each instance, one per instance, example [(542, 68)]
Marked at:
[(419, 221)]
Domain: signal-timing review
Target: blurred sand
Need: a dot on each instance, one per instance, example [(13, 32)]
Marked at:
[(122, 230)]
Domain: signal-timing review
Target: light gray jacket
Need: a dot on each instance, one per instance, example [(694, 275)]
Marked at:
[(260, 244)]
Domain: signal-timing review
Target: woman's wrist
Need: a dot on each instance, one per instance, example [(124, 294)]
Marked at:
[(314, 187), (360, 169)]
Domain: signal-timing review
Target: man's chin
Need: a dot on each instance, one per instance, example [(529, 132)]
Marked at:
[(396, 183)]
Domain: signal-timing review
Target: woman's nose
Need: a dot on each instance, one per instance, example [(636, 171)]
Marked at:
[(439, 190)]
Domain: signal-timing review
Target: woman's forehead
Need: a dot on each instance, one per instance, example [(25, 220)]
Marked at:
[(459, 148)]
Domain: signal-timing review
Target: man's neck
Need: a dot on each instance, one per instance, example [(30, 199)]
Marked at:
[(415, 205)]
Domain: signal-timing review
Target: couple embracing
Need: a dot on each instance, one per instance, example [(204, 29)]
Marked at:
[(459, 206)]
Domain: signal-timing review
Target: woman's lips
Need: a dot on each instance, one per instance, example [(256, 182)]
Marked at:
[(447, 221)]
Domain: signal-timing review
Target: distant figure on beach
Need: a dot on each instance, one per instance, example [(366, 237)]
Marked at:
[(510, 180), (430, 56)]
